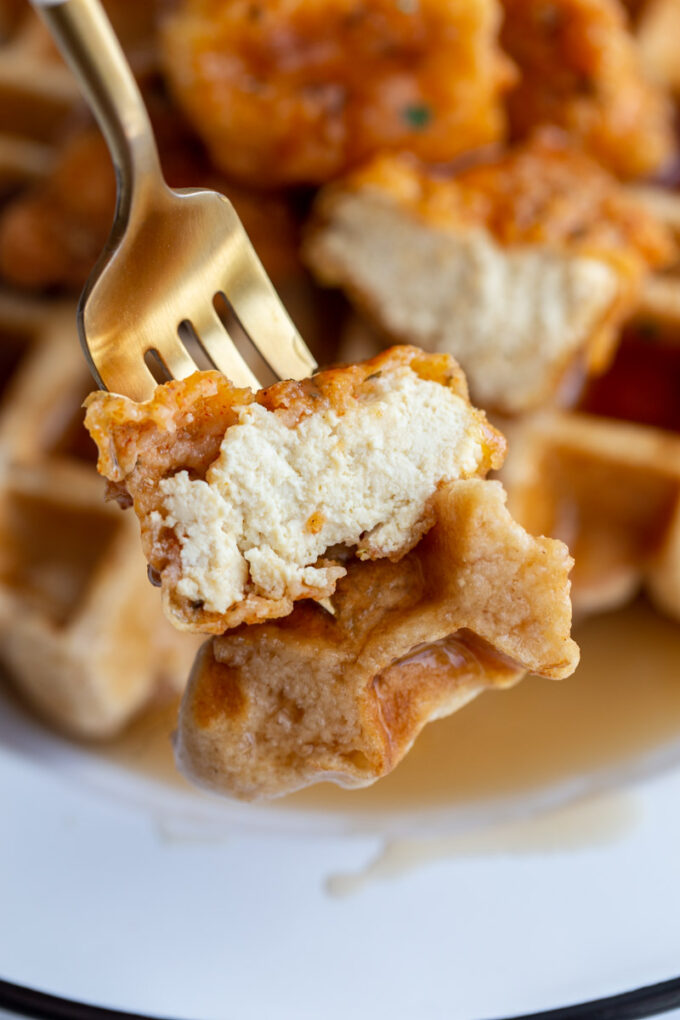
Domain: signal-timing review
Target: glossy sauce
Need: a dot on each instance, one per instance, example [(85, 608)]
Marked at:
[(446, 651), (623, 700), (594, 821)]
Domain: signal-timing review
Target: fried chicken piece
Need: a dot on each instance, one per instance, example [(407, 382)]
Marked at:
[(580, 69), (12, 13), (522, 267), (297, 91), (242, 497), (52, 234), (342, 697)]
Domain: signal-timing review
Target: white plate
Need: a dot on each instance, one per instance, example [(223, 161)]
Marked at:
[(524, 857)]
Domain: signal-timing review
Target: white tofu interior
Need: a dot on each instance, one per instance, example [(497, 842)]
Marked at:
[(514, 317), (277, 497)]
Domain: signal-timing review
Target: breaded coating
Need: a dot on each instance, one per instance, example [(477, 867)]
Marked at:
[(298, 91), (242, 497), (342, 697), (523, 267), (580, 69)]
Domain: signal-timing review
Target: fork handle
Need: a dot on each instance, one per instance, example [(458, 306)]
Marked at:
[(88, 43)]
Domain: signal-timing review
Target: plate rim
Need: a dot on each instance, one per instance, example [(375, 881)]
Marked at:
[(636, 1004)]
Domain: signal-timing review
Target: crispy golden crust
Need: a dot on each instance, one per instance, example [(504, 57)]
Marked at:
[(544, 192), (342, 697), (182, 428), (580, 70), (576, 243), (292, 91)]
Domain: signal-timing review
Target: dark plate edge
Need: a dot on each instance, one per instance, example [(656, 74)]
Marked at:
[(641, 1002), (41, 1006)]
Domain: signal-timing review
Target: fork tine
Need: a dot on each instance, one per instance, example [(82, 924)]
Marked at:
[(219, 346), (258, 308), (166, 253), (175, 357)]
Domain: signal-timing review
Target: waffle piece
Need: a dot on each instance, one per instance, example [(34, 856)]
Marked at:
[(611, 491), (297, 91), (522, 267), (605, 479), (580, 69), (80, 627), (243, 496), (37, 95), (342, 697)]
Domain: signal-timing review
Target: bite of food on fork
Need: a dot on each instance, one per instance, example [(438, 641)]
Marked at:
[(242, 497), (351, 508)]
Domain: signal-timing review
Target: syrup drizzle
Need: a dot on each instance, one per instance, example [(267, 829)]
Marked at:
[(591, 822)]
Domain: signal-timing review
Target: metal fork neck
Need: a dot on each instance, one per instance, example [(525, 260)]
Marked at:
[(88, 43)]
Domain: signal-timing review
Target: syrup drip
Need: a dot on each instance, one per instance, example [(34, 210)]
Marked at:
[(448, 650)]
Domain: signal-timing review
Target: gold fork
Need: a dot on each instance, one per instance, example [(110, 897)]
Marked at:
[(171, 253)]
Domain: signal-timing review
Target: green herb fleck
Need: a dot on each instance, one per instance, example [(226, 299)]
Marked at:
[(417, 116), (373, 375)]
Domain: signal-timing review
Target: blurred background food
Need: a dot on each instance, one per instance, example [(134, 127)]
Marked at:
[(494, 178)]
